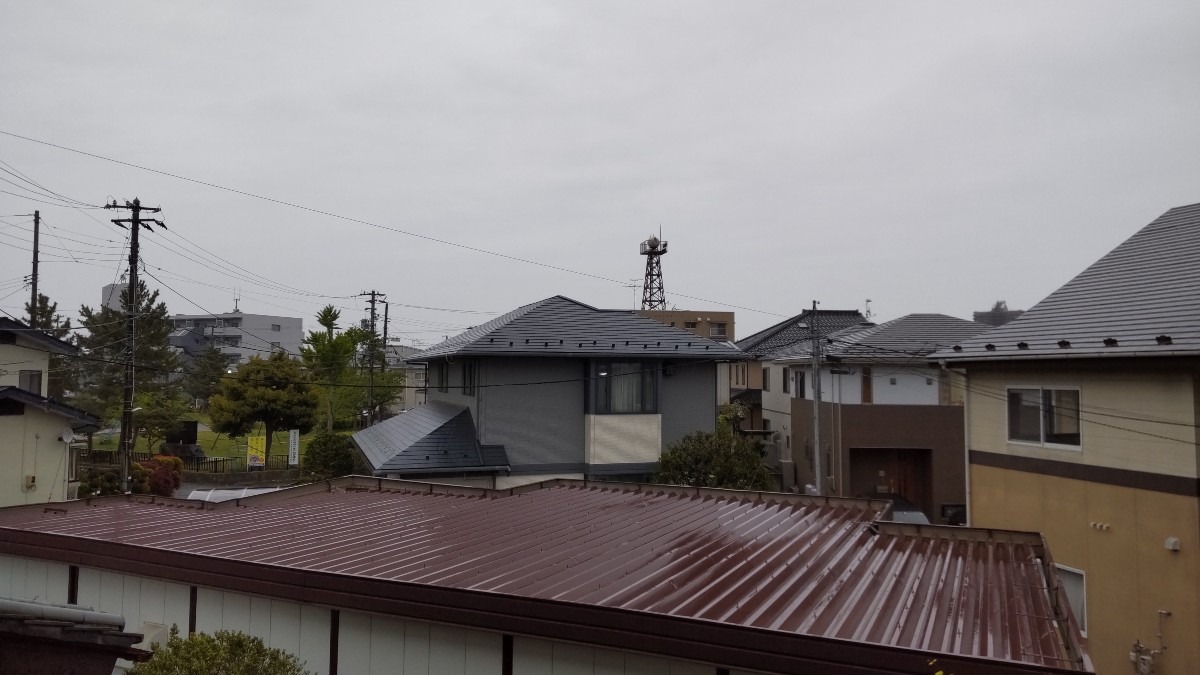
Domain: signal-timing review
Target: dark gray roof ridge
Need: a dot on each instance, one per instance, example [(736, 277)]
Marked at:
[(1141, 299)]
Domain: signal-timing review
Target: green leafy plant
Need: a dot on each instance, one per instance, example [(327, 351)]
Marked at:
[(329, 455), (224, 652), (274, 392), (717, 460)]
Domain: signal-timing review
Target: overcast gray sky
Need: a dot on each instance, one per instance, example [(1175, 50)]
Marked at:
[(930, 156)]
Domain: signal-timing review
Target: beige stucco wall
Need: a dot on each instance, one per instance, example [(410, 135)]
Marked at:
[(622, 439), (31, 445), (1131, 419), (1116, 536), (17, 358)]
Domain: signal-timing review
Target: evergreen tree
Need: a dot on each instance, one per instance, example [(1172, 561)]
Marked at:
[(101, 365), (62, 376), (203, 378), (274, 391)]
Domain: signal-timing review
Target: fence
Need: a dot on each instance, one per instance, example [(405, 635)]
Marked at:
[(85, 457)]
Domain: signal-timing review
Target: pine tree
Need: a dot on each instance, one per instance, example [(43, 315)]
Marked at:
[(101, 365)]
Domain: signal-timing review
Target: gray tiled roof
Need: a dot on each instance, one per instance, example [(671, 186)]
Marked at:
[(911, 337), (787, 335), (1141, 299), (79, 419), (430, 438), (560, 326)]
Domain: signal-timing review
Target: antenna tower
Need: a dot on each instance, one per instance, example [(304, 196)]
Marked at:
[(653, 296)]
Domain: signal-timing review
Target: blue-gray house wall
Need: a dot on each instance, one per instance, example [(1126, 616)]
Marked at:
[(688, 400)]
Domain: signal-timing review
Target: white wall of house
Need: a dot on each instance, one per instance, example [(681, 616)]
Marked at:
[(31, 446), (17, 358), (368, 644), (890, 384)]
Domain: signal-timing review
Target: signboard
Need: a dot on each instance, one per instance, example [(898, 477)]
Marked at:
[(256, 451), (294, 447)]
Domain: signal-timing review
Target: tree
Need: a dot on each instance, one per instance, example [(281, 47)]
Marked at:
[(274, 391), (327, 318), (225, 652), (717, 460), (102, 370), (164, 475), (62, 368), (328, 357), (330, 455), (204, 373), (160, 412)]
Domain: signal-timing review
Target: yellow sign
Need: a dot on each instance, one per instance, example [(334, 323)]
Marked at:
[(256, 451)]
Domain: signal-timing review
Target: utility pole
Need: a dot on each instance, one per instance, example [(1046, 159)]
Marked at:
[(135, 223), (816, 383), (375, 296), (33, 279)]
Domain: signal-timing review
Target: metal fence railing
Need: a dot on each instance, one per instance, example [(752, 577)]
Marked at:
[(239, 464)]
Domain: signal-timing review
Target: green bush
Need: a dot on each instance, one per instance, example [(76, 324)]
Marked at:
[(164, 474), (714, 460), (330, 455), (104, 482), (225, 652)]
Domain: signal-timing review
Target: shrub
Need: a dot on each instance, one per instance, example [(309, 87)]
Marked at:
[(714, 460), (164, 474), (330, 455), (225, 652)]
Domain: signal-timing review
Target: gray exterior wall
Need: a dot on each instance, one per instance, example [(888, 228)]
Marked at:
[(454, 393), (688, 400), (252, 336), (538, 425)]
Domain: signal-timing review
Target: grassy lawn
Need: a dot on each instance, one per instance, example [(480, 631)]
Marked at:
[(214, 444)]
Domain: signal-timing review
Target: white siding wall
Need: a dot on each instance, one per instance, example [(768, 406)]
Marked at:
[(368, 644), (23, 579), (910, 387), (379, 645), (541, 657)]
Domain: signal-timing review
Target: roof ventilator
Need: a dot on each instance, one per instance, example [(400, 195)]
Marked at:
[(1022, 345), (990, 347), (1110, 342), (958, 348), (1163, 339), (1063, 344)]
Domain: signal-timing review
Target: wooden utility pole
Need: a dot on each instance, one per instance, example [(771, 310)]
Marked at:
[(818, 468), (135, 223), (33, 278), (375, 297)]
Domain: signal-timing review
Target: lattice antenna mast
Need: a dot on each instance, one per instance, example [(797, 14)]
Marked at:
[(653, 296)]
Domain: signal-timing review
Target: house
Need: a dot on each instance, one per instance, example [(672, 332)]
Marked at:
[(413, 393), (1082, 420), (54, 638), (370, 576), (764, 387), (237, 335), (717, 326), (35, 431), (891, 424), (553, 388)]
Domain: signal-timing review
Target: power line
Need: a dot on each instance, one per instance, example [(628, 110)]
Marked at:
[(360, 221)]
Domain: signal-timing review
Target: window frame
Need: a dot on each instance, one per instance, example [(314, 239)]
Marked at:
[(469, 373), (1042, 391), (1080, 617), (600, 393), (24, 376), (443, 376), (784, 384), (766, 384)]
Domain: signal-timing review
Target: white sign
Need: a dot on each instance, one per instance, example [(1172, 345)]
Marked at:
[(294, 447)]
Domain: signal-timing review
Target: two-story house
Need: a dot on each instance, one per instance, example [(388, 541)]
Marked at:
[(35, 431), (556, 388), (1082, 423), (890, 423)]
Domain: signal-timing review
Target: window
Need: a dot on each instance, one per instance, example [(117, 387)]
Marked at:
[(468, 378), (1074, 583), (1044, 416), (276, 327), (784, 379), (443, 376), (274, 345), (625, 387), (690, 325), (800, 392), (31, 381), (718, 330), (766, 378), (766, 424)]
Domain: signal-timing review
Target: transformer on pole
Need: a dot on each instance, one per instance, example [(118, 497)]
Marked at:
[(653, 296)]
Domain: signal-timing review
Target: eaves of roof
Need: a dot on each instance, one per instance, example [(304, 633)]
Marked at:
[(41, 338), (80, 418)]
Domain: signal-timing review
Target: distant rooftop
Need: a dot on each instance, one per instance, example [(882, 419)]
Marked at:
[(909, 338), (787, 334), (560, 326)]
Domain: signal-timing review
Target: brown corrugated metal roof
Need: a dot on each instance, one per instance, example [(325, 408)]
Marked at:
[(783, 563)]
